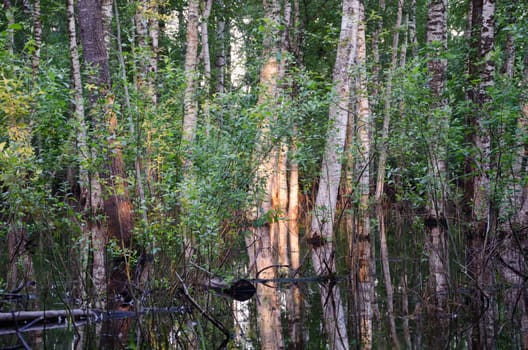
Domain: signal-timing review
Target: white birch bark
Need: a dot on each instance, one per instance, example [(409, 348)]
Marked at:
[(190, 114), (221, 52), (190, 120), (482, 212), (438, 120), (37, 34), (204, 34), (365, 290), (322, 235), (81, 132)]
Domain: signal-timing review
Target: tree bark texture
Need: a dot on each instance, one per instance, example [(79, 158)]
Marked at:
[(37, 34), (268, 306), (221, 52), (190, 102), (322, 226), (204, 33), (93, 43), (94, 52), (109, 192), (436, 222), (365, 273), (479, 203)]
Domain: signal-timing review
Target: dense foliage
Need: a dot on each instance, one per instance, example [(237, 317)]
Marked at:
[(40, 156)]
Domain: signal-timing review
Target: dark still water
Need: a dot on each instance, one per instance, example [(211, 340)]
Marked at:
[(208, 320)]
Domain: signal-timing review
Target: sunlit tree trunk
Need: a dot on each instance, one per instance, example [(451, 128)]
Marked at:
[(190, 119), (294, 293), (281, 225), (190, 114), (204, 34), (380, 182), (322, 226), (294, 296), (365, 273), (260, 244), (280, 200), (480, 208), (357, 186), (438, 120)]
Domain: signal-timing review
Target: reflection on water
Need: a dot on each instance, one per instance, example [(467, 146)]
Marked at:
[(163, 328), (166, 320), (157, 326)]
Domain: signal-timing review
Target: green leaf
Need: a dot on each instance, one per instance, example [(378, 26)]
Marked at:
[(15, 26)]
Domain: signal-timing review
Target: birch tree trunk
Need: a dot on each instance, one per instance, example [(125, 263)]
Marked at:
[(204, 34), (322, 226), (365, 278), (190, 119), (37, 35), (82, 145), (260, 244), (221, 52), (479, 203), (190, 114), (380, 182), (436, 223)]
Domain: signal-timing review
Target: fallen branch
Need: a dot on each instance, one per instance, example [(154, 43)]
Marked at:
[(26, 316)]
